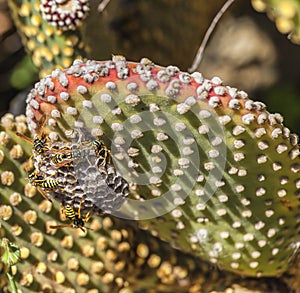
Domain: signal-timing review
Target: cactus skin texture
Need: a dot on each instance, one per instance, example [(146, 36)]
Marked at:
[(285, 14), (115, 257), (250, 223), (49, 47)]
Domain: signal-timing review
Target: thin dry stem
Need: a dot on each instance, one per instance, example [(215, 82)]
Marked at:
[(103, 5), (199, 55)]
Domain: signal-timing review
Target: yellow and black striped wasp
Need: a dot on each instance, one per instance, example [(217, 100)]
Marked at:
[(75, 217), (39, 142), (39, 180), (66, 156), (47, 184), (102, 151), (62, 158)]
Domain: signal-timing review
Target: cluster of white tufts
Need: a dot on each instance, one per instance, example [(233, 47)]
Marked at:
[(65, 14)]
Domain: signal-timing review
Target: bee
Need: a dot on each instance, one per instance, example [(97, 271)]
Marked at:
[(75, 217), (102, 151), (40, 182)]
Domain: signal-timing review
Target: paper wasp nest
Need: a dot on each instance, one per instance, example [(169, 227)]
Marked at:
[(74, 172)]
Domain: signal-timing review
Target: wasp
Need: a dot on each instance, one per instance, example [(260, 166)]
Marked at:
[(40, 182), (39, 142), (102, 151), (75, 217), (66, 156), (62, 159)]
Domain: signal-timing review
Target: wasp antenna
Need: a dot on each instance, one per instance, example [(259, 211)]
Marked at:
[(82, 229), (44, 195), (24, 137), (43, 122)]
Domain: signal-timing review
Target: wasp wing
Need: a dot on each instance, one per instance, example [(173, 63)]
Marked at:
[(100, 183)]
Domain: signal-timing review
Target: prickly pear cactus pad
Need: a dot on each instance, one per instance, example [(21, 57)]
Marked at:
[(210, 171), (113, 255), (49, 46)]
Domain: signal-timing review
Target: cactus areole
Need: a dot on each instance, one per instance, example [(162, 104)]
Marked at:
[(209, 170), (65, 14)]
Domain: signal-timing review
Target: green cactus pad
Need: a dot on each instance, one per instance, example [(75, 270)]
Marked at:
[(285, 14), (115, 256), (210, 171)]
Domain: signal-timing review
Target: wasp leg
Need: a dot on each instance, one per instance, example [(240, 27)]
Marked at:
[(82, 229), (106, 158), (43, 193), (109, 156), (79, 210), (60, 226), (87, 216)]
